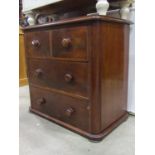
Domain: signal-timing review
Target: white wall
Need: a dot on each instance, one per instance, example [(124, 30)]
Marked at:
[(131, 84), (31, 4)]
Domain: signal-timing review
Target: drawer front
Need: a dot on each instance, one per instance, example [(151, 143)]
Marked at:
[(70, 42), (37, 43), (71, 77), (64, 108)]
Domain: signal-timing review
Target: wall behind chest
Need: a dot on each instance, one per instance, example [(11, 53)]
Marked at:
[(131, 84), (31, 4)]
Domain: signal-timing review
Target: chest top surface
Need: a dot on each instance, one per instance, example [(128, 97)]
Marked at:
[(82, 19)]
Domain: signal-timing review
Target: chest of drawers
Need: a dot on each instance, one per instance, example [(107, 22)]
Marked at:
[(77, 70)]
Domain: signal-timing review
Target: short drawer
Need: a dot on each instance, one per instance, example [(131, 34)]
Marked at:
[(37, 43), (71, 77), (70, 42), (67, 109)]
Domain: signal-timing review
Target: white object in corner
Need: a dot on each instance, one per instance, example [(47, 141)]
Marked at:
[(102, 7), (125, 12), (31, 18)]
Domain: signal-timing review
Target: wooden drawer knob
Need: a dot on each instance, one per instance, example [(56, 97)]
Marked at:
[(66, 42), (41, 101), (38, 72), (69, 112), (36, 43), (68, 77)]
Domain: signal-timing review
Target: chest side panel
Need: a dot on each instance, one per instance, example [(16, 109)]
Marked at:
[(113, 72)]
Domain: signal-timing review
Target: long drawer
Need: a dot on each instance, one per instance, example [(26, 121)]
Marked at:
[(70, 110), (71, 77)]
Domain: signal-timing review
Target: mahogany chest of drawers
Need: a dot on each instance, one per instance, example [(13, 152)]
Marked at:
[(78, 73)]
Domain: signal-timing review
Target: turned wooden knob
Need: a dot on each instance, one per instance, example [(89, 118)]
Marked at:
[(66, 42), (38, 72), (68, 77), (69, 112), (41, 101), (36, 43)]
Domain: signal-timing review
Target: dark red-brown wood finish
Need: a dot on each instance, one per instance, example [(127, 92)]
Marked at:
[(77, 70)]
